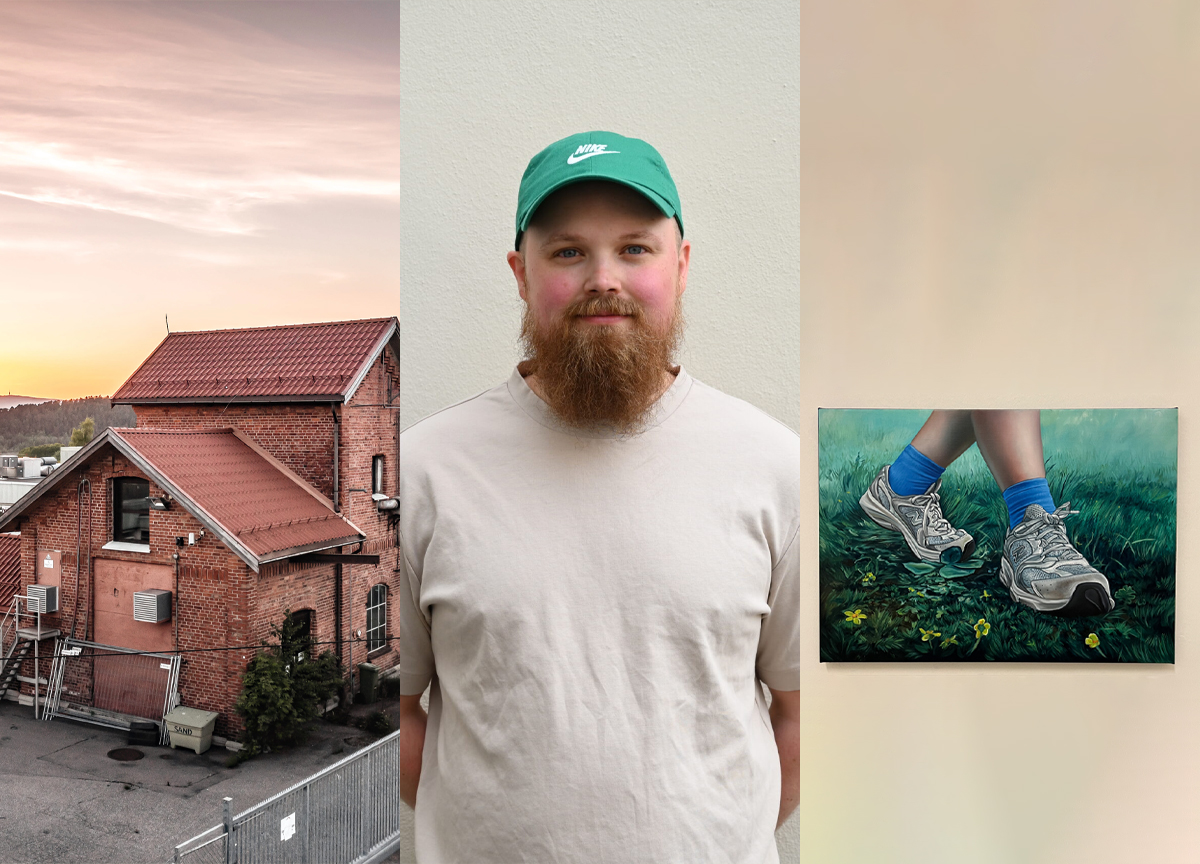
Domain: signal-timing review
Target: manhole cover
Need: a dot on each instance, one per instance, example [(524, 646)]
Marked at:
[(125, 754)]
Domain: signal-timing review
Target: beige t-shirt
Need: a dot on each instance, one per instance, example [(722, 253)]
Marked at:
[(598, 610)]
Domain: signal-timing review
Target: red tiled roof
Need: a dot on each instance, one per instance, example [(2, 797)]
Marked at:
[(255, 499), (10, 567), (301, 362)]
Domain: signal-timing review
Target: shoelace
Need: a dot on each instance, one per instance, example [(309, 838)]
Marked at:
[(1051, 534), (932, 503)]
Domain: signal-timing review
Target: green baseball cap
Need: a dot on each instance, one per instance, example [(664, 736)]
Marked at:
[(596, 156)]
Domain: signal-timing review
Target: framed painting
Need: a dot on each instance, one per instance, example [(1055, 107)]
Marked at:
[(998, 535)]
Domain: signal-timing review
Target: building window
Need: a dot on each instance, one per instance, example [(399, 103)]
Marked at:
[(131, 510), (377, 475), (377, 618)]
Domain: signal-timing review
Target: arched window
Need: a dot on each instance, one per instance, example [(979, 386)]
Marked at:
[(302, 618), (377, 618)]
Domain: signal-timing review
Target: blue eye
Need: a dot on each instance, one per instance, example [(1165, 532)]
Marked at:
[(566, 253), (636, 250)]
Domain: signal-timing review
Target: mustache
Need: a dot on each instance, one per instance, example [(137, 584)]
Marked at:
[(604, 305)]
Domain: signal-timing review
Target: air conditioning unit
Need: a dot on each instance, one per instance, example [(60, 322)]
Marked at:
[(42, 598), (152, 605)]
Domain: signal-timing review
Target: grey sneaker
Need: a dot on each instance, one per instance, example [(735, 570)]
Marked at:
[(1043, 571), (919, 519)]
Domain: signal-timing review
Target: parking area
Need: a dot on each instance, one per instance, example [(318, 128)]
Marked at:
[(63, 799)]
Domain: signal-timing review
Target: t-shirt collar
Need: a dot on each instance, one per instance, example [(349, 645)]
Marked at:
[(539, 411)]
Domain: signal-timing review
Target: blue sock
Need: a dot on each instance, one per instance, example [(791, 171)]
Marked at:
[(913, 472), (1020, 495)]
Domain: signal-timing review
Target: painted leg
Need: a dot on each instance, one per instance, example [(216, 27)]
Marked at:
[(945, 436), (1011, 444), (913, 506), (1040, 567)]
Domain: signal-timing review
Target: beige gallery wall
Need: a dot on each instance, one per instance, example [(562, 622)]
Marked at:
[(892, 204), (1000, 206), (712, 85)]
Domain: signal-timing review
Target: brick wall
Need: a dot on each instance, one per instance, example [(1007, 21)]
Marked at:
[(369, 429), (298, 435)]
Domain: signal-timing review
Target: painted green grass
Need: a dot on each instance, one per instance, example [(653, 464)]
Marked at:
[(878, 603)]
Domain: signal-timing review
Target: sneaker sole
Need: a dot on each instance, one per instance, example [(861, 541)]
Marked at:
[(1088, 600), (882, 517)]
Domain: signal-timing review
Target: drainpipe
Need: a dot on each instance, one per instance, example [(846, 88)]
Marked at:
[(337, 617), (84, 483), (176, 601), (396, 472), (337, 502)]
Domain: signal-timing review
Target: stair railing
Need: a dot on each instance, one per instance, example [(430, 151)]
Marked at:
[(10, 622)]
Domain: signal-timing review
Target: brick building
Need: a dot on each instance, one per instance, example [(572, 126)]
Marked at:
[(261, 477)]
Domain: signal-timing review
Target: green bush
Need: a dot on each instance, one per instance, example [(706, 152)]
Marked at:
[(283, 690), (40, 450), (376, 723)]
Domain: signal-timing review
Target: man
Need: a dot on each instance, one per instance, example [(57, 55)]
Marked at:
[(603, 563)]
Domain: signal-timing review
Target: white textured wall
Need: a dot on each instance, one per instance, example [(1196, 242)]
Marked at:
[(714, 86)]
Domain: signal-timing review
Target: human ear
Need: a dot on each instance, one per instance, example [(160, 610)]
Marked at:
[(685, 255), (516, 260)]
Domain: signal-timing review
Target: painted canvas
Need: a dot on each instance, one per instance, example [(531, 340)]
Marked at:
[(998, 535)]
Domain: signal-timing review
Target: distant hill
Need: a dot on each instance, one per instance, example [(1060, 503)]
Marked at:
[(11, 401), (52, 421)]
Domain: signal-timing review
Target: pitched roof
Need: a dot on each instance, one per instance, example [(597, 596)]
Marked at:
[(10, 567), (296, 363), (254, 504)]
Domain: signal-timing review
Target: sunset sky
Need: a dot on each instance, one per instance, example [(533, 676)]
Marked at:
[(228, 164)]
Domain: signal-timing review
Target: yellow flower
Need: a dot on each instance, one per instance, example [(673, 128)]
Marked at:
[(868, 579), (953, 640), (926, 635), (986, 594), (855, 617), (1092, 641), (981, 628)]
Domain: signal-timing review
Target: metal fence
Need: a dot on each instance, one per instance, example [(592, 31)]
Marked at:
[(348, 813), (109, 685)]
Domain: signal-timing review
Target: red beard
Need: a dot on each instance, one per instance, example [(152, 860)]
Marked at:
[(600, 375)]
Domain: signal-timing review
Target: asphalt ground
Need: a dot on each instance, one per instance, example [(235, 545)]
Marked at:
[(63, 800)]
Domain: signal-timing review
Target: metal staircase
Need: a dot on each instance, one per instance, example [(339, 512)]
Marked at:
[(13, 659), (16, 642)]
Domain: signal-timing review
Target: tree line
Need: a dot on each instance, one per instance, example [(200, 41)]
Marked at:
[(28, 426)]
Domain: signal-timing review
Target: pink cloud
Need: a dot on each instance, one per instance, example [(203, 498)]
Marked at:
[(176, 114)]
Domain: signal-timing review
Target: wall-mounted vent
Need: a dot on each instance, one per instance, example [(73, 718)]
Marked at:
[(42, 598), (152, 605)]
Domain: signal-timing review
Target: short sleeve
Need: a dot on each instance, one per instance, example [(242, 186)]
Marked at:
[(416, 647), (778, 661)]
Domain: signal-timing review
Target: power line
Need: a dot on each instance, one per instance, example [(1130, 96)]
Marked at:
[(210, 650)]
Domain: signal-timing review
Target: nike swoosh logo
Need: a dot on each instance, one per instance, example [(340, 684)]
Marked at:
[(572, 159)]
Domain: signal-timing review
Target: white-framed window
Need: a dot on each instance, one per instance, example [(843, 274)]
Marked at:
[(130, 514), (377, 618)]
